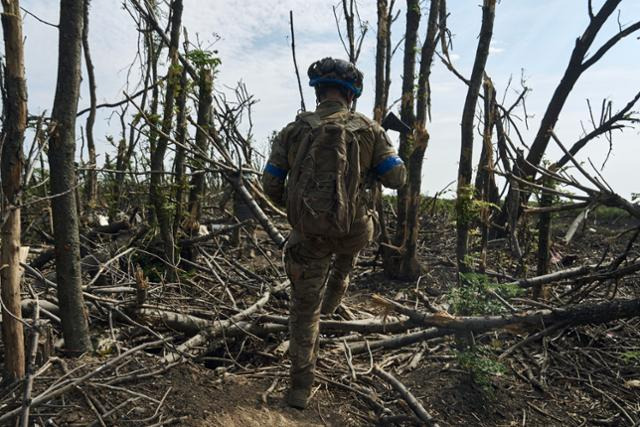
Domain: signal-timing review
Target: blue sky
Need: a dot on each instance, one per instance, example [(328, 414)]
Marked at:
[(533, 37)]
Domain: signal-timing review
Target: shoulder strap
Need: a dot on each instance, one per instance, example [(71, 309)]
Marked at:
[(311, 118), (314, 121), (356, 123)]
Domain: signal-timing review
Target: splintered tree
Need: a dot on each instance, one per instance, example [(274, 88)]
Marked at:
[(12, 136), (158, 193), (407, 115), (410, 267), (62, 147), (179, 169), (382, 51), (400, 262), (383, 80), (393, 253), (485, 189), (465, 192)]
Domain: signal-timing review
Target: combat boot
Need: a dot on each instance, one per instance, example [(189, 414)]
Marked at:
[(298, 397)]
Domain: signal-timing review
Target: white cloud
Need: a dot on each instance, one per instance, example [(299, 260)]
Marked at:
[(255, 48)]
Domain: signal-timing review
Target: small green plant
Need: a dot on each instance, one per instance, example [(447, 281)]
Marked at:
[(476, 295), (469, 208), (481, 365), (631, 357), (204, 58)]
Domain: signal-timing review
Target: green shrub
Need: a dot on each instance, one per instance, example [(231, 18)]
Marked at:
[(475, 296), (481, 365)]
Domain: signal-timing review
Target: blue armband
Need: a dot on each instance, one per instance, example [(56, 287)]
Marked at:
[(387, 164), (276, 171)]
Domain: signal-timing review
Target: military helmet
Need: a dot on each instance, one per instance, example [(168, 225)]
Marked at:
[(336, 71)]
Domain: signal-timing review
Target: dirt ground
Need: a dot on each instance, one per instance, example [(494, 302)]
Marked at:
[(575, 377)]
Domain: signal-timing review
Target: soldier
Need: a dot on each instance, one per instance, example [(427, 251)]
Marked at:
[(328, 159)]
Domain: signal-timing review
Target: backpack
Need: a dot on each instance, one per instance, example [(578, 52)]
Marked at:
[(323, 186)]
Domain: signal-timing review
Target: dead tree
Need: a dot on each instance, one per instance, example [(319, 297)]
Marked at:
[(157, 192), (62, 147), (352, 45), (382, 51), (579, 62), (224, 167), (150, 94), (485, 185), (91, 185), (407, 115), (303, 107), (407, 110), (205, 105), (583, 314), (179, 166), (383, 58), (464, 192), (11, 168), (410, 268), (544, 232)]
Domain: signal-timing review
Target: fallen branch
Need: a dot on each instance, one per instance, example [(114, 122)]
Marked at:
[(363, 326), (258, 213), (48, 395), (397, 341), (28, 387), (206, 237), (178, 321), (593, 271), (218, 327), (577, 315), (411, 400)]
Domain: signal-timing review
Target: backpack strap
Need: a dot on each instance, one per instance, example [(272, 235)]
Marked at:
[(311, 118), (314, 121), (355, 123)]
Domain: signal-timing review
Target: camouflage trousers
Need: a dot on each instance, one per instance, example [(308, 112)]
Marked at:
[(308, 260)]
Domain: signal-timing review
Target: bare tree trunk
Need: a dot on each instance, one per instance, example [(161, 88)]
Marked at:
[(380, 108), (62, 147), (178, 163), (91, 187), (544, 237), (121, 167), (410, 267), (157, 191), (205, 101), (387, 59), (382, 50), (485, 188), (351, 37), (407, 109), (465, 193), (11, 170)]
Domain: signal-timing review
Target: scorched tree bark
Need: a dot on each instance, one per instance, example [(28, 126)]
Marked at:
[(12, 137)]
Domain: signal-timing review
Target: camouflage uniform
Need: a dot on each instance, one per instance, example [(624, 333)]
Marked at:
[(307, 256)]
